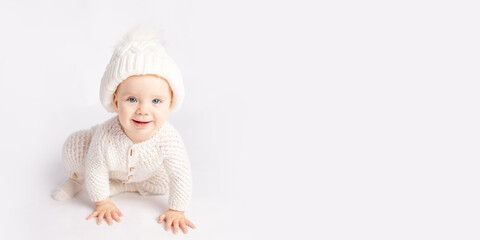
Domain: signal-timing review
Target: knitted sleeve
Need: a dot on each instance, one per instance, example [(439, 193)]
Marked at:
[(177, 166), (96, 169)]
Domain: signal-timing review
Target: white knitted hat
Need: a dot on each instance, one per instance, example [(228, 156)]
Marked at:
[(140, 52)]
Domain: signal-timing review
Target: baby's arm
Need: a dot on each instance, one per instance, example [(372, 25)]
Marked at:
[(177, 166), (97, 181)]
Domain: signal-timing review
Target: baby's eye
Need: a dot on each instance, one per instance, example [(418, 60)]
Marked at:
[(132, 99), (156, 101)]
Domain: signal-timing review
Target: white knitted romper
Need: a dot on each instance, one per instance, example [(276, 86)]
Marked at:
[(75, 151), (97, 156)]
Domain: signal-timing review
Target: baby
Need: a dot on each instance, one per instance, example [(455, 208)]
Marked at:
[(137, 150)]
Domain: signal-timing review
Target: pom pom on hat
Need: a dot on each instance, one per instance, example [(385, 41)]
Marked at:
[(141, 33), (140, 52)]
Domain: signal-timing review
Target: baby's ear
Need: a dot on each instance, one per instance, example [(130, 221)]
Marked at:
[(115, 102), (171, 99)]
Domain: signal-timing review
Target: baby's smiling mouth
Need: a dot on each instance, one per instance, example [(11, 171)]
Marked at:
[(141, 124), (140, 121)]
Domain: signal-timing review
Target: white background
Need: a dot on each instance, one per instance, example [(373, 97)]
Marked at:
[(312, 119)]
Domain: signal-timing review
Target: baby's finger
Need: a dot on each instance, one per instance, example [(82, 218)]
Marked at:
[(100, 217), (109, 218), (168, 224), (175, 226), (189, 223), (115, 216), (94, 214), (161, 218), (183, 226), (119, 213)]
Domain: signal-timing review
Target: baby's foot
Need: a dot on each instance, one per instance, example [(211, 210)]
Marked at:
[(66, 190)]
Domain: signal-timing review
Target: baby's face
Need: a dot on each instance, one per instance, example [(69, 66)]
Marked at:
[(143, 104)]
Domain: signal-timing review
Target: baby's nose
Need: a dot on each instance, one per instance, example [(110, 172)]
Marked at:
[(142, 111)]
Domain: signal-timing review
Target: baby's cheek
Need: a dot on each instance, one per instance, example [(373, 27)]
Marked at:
[(124, 114)]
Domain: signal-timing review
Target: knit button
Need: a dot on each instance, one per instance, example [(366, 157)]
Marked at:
[(130, 177), (132, 168), (74, 176), (131, 152)]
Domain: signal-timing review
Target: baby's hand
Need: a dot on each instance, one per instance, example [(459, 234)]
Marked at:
[(175, 217), (106, 209)]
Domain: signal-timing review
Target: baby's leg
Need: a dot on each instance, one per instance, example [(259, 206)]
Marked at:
[(73, 159), (131, 187), (158, 184), (116, 187)]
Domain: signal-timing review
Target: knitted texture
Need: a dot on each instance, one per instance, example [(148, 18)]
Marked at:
[(159, 165), (75, 151)]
